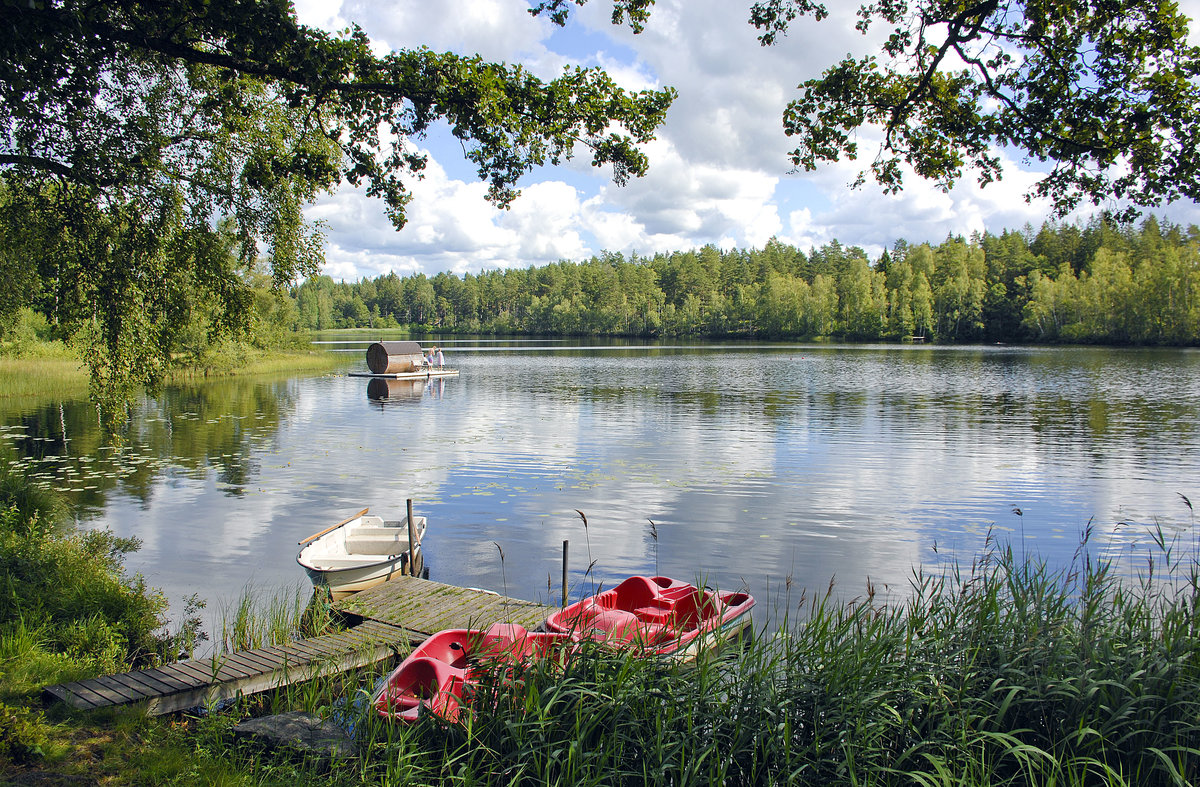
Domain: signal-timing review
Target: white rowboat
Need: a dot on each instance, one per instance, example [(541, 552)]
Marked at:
[(359, 552)]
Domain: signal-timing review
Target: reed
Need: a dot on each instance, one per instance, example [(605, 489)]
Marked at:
[(256, 620), (1007, 672)]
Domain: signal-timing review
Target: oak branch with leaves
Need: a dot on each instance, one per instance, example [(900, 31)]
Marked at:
[(1103, 96), (148, 148)]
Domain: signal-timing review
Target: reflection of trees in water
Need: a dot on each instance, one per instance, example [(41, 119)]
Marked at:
[(1095, 396), (194, 427)]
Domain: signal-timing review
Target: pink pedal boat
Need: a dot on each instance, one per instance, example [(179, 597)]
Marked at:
[(656, 615), (437, 677)]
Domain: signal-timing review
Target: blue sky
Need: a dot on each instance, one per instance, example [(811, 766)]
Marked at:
[(719, 170)]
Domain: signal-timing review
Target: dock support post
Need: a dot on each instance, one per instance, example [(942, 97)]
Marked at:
[(564, 581), (412, 542)]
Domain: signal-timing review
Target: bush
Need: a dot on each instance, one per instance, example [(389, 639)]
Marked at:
[(23, 734), (25, 505), (71, 587), (26, 333)]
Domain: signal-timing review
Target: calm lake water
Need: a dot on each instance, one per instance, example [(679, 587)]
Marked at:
[(755, 463)]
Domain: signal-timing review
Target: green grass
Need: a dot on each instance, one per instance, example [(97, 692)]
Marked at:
[(30, 380), (52, 371), (264, 362), (256, 621)]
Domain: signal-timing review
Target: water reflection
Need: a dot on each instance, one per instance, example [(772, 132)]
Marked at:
[(756, 464), (388, 391)]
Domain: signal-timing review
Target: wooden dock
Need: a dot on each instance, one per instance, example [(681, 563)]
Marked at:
[(385, 621)]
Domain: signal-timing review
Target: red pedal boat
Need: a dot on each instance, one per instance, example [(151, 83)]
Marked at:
[(657, 615), (437, 676)]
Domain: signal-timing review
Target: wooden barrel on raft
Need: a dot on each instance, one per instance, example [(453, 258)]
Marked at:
[(393, 357)]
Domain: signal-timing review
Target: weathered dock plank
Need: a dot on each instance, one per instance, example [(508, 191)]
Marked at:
[(389, 619), (426, 606)]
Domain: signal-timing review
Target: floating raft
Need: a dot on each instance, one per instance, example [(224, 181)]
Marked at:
[(385, 621), (421, 375)]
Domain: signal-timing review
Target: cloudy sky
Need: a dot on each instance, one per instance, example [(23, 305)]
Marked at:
[(719, 170)]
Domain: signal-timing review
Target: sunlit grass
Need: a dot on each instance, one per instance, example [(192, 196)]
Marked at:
[(257, 620), (259, 362), (35, 379)]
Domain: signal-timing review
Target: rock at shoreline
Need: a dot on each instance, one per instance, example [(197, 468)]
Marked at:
[(300, 731)]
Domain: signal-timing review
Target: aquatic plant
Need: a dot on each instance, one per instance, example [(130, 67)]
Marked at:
[(258, 620)]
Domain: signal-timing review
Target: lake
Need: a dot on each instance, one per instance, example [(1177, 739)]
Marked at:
[(733, 464)]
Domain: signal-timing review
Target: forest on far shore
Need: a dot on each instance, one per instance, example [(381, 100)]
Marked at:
[(1100, 282), (1097, 283)]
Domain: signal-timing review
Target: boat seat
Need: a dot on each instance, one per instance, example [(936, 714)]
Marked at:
[(377, 544), (654, 613), (378, 530)]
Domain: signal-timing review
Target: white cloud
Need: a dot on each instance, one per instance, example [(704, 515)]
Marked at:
[(452, 227), (495, 29), (719, 169)]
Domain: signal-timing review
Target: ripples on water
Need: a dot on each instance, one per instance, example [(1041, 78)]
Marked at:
[(755, 464)]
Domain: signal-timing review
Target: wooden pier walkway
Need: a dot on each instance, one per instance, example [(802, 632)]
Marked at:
[(385, 621)]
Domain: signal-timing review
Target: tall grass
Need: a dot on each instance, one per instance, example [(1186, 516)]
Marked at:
[(257, 621), (1008, 672), (25, 380)]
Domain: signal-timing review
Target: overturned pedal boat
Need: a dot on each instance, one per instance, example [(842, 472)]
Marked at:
[(440, 675)]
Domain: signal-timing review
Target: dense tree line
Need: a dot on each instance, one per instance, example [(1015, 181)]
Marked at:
[(1102, 282)]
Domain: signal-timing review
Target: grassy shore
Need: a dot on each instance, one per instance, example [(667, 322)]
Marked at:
[(51, 369), (1003, 672)]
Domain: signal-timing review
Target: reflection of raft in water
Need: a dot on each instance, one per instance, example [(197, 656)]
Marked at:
[(386, 390), (400, 361)]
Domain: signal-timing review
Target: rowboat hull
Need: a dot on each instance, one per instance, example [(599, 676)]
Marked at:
[(360, 553), (342, 582)]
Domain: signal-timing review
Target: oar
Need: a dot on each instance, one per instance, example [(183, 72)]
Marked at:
[(333, 527)]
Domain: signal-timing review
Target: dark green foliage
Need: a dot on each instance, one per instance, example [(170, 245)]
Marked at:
[(130, 129), (1104, 92), (70, 589)]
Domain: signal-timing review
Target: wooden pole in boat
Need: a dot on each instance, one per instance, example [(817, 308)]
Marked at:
[(412, 542), (564, 584)]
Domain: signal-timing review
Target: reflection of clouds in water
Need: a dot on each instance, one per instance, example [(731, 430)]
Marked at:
[(755, 464)]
